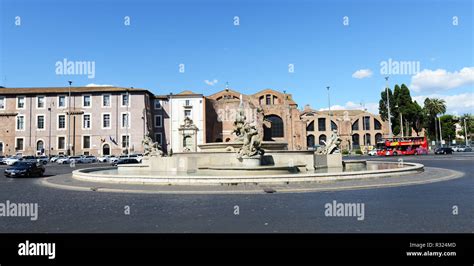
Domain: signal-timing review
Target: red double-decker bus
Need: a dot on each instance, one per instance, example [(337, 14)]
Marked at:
[(402, 146)]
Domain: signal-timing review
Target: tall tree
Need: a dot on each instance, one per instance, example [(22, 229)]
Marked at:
[(432, 108)]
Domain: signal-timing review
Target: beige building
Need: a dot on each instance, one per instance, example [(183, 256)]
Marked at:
[(94, 120), (114, 120), (358, 129)]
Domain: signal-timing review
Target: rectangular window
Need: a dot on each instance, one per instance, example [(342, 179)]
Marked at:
[(158, 138), (322, 124), (106, 121), (86, 101), (61, 143), (106, 100), (125, 99), (40, 102), (61, 101), (2, 102), (125, 120), (366, 122), (20, 102), (40, 121), (157, 104), (19, 144), (86, 142), (268, 99), (187, 113), (158, 121), (20, 122), (86, 121), (187, 103), (61, 121), (125, 141)]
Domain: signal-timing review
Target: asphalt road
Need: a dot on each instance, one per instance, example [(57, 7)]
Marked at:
[(417, 208)]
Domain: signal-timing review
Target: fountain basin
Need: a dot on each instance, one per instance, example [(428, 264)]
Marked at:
[(142, 175)]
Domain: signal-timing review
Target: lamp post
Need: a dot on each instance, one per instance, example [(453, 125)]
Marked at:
[(329, 103), (465, 132), (69, 121), (390, 134), (50, 118), (128, 123), (440, 132)]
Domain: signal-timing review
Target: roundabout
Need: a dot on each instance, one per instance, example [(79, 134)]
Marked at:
[(311, 183)]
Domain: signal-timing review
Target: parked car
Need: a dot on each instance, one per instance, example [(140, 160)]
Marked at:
[(445, 150), (87, 159), (42, 160), (461, 148), (12, 159), (137, 156), (26, 169), (468, 149), (63, 160), (105, 158), (125, 161), (455, 148), (55, 158), (2, 159), (76, 159), (372, 152), (113, 159)]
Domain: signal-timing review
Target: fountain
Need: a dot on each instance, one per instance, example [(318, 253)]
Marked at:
[(243, 161)]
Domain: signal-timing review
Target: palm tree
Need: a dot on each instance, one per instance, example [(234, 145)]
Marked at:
[(433, 107)]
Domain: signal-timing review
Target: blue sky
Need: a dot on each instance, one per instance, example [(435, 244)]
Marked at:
[(251, 56)]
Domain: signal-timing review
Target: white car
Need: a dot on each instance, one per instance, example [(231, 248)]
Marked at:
[(42, 160), (105, 158), (63, 160), (13, 159), (372, 153), (57, 157)]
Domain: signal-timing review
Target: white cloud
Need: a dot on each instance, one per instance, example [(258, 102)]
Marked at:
[(362, 73), (98, 85), (371, 107), (211, 82), (455, 104), (440, 79)]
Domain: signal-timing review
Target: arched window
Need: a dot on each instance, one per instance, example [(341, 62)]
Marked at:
[(377, 124), (39, 145), (355, 141), (355, 125), (321, 138), (333, 126), (310, 126), (276, 129), (367, 139), (310, 142), (378, 138)]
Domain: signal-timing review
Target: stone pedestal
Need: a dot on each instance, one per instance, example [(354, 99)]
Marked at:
[(327, 160), (251, 161)]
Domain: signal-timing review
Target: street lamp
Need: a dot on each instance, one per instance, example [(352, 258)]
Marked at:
[(69, 121), (390, 134), (465, 131), (401, 120), (440, 132), (329, 103)]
